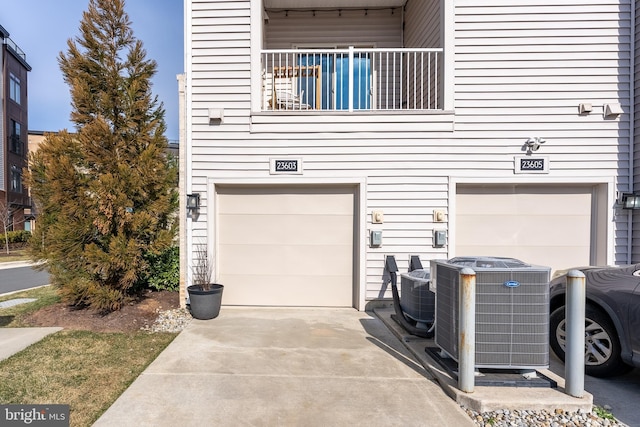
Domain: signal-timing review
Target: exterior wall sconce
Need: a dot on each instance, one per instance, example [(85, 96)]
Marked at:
[(193, 202), (533, 144), (630, 201)]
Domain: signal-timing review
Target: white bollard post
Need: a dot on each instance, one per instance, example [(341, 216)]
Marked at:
[(467, 334), (574, 329)]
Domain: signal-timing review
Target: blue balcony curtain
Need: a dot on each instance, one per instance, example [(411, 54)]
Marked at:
[(335, 68)]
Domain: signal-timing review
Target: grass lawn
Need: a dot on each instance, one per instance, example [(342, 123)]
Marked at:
[(86, 370), (13, 255)]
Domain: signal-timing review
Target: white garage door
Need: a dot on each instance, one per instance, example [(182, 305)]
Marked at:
[(543, 225), (286, 245)]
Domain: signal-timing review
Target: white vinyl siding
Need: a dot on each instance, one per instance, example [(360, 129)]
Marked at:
[(422, 24), (286, 30), (521, 69)]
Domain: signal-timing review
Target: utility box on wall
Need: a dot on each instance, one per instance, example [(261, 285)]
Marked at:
[(439, 238)]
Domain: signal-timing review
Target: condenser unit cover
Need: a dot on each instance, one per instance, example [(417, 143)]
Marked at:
[(416, 299), (512, 311)]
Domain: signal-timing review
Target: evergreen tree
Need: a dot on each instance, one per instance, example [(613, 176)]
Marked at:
[(106, 193)]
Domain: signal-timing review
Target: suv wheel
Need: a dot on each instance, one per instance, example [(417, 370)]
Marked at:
[(602, 347)]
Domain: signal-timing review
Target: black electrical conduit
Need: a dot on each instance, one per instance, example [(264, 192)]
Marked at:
[(399, 317)]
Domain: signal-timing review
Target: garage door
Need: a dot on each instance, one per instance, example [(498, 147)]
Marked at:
[(544, 225), (286, 246)]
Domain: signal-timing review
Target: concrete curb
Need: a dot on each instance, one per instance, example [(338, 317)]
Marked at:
[(16, 264)]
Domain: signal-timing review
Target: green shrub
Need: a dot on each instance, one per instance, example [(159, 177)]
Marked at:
[(18, 236), (164, 270)]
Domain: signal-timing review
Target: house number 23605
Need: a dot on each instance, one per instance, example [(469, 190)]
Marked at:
[(528, 164), (532, 164)]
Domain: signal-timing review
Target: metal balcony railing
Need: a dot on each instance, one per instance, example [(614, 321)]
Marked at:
[(10, 43), (352, 79)]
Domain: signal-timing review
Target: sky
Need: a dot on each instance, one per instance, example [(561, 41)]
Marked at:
[(41, 29)]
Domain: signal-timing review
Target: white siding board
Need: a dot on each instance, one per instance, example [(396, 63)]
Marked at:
[(575, 49), (205, 29), (205, 71), (492, 11), (218, 37), (598, 66)]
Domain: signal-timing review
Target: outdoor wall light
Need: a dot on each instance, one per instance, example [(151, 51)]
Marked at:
[(630, 201), (193, 202), (533, 144)]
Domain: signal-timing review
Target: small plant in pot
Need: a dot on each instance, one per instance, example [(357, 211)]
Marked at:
[(205, 297)]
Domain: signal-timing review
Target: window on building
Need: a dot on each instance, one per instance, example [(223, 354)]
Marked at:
[(15, 142), (14, 87), (16, 179)]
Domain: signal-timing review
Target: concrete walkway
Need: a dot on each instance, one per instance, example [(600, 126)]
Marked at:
[(285, 367), (17, 339)]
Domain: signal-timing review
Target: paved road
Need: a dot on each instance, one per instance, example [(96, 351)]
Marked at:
[(16, 277)]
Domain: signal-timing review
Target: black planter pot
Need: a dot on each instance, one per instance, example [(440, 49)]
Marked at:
[(205, 304)]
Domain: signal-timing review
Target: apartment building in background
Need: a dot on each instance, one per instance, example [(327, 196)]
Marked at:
[(14, 122)]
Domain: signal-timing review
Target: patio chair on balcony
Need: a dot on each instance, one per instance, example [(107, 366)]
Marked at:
[(285, 100)]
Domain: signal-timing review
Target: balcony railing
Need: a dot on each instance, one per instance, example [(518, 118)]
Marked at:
[(10, 43), (352, 79)]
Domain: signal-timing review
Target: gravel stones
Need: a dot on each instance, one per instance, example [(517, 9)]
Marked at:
[(170, 321), (557, 418)]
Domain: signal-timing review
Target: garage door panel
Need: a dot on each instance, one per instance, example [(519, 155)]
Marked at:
[(274, 202), (540, 224), (286, 245), (525, 199), (277, 260), (535, 230), (482, 228), (284, 291), (286, 229), (558, 257)]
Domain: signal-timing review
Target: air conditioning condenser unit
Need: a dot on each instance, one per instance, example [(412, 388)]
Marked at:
[(512, 311)]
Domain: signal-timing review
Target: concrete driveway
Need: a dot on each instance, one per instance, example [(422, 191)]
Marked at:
[(285, 367)]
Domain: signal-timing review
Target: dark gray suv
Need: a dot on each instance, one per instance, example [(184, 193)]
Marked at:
[(612, 327)]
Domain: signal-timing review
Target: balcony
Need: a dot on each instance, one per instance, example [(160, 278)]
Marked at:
[(352, 79)]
